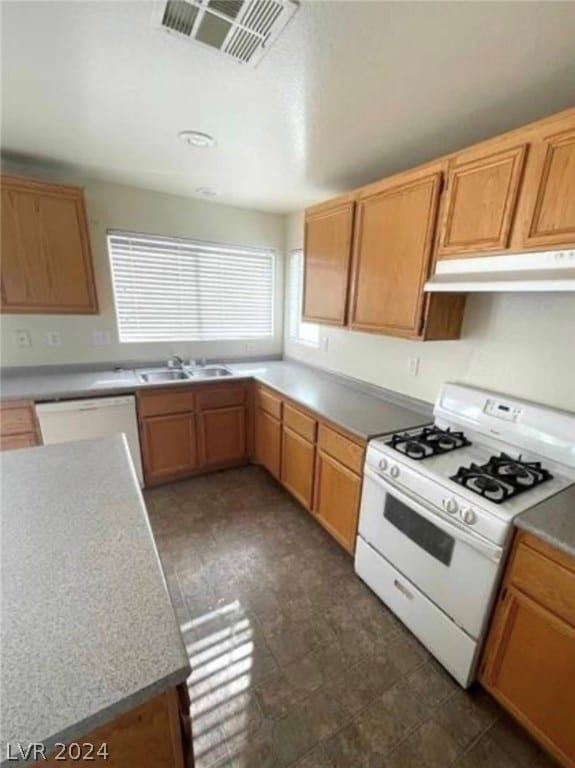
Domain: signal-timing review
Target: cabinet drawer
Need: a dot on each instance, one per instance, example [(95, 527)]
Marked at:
[(157, 402), (299, 422), (550, 584), (25, 440), (220, 396), (269, 402), (350, 454), (17, 417)]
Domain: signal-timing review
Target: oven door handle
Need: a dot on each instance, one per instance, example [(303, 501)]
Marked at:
[(492, 551)]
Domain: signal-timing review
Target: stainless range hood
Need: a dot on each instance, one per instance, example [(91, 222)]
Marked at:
[(542, 271)]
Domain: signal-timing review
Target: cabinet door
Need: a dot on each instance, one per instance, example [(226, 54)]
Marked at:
[(268, 441), (327, 254), (480, 202), (337, 496), (46, 261), (25, 440), (550, 192), (394, 237), (297, 466), (169, 446), (223, 436), (529, 666)]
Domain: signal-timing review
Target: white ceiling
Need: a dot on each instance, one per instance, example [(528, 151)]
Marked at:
[(350, 92)]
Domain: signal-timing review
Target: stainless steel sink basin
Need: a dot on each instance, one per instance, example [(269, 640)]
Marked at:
[(159, 375), (209, 372)]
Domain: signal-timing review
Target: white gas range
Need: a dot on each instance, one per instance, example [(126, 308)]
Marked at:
[(437, 512)]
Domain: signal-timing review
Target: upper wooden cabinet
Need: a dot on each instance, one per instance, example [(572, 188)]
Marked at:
[(46, 262), (327, 253), (395, 226), (548, 216), (480, 201)]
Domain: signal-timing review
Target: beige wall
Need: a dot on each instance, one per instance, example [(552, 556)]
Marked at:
[(520, 344), (111, 206)]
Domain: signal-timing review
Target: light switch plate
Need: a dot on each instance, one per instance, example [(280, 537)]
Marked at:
[(54, 338), (23, 339), (100, 338), (413, 365)]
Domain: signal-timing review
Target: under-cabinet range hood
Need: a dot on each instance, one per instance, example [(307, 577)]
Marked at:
[(542, 271)]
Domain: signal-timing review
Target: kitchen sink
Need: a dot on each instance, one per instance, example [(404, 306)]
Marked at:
[(209, 371), (159, 375), (165, 375)]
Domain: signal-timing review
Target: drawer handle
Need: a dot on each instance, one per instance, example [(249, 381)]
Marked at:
[(404, 591)]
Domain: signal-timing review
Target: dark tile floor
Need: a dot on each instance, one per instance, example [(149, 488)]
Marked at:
[(295, 662)]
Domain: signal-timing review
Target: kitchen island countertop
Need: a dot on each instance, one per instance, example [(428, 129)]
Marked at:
[(88, 627)]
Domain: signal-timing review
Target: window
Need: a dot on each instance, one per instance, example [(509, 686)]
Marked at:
[(306, 333), (167, 289)]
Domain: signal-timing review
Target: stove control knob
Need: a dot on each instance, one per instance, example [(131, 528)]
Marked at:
[(450, 506), (394, 471), (468, 516), (383, 464)]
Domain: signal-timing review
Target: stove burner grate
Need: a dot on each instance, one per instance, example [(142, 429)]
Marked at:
[(502, 477), (431, 441)]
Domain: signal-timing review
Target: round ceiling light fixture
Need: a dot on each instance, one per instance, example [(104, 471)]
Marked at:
[(205, 192), (197, 139)]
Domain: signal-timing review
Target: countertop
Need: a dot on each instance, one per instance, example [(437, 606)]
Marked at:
[(88, 627), (553, 521), (363, 410)]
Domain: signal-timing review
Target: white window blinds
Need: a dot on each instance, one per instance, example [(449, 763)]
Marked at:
[(306, 333), (168, 289)]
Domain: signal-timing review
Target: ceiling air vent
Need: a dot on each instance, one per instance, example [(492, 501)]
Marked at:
[(241, 29)]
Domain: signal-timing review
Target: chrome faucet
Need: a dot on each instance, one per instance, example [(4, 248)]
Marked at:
[(175, 361)]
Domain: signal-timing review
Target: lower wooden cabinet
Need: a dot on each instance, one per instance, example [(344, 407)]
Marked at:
[(297, 466), (169, 446), (222, 436), (18, 425), (529, 658), (267, 434), (337, 497)]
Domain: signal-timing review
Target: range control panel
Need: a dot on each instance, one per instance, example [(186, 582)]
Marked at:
[(499, 409)]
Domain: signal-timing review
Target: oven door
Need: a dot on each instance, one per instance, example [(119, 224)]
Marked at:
[(456, 569)]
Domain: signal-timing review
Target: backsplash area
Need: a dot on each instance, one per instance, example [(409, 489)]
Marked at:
[(520, 344), (93, 338)]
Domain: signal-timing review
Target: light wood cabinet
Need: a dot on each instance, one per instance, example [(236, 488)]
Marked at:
[(297, 466), (480, 201), (327, 254), (169, 446), (46, 262), (547, 218), (189, 429), (337, 497), (222, 436), (18, 425), (268, 437), (529, 657), (394, 237), (148, 736)]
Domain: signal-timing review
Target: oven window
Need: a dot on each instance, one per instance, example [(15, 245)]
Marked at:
[(434, 541)]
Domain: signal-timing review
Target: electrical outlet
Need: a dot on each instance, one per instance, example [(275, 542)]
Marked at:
[(100, 338), (413, 365), (325, 343), (250, 346), (54, 339), (23, 339)]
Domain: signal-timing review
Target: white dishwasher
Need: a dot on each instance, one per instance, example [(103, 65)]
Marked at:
[(96, 417)]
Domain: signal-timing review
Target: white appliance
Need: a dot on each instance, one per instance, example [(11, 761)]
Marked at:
[(540, 271), (437, 512), (97, 417)]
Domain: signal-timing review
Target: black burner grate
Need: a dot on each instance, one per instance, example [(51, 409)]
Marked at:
[(502, 477), (431, 441)]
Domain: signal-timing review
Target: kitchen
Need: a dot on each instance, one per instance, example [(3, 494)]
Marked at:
[(288, 435)]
